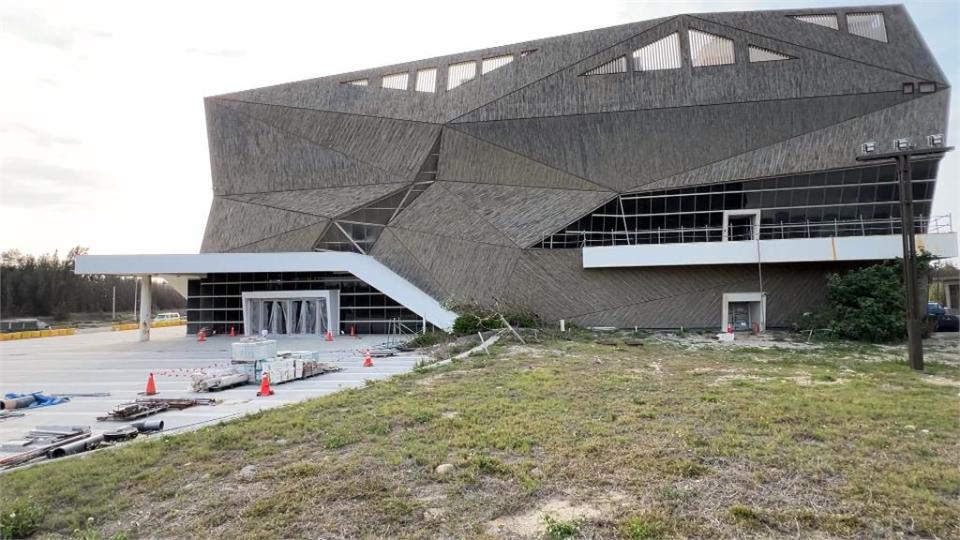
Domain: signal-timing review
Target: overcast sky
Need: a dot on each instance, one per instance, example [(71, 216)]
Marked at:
[(102, 135)]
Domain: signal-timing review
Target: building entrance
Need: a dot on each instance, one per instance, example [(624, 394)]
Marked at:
[(290, 312)]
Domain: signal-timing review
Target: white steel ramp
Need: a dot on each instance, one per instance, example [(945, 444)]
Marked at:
[(364, 267)]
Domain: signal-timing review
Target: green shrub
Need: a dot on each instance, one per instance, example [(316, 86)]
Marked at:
[(429, 339), (561, 530), (20, 519), (866, 304), (475, 318)]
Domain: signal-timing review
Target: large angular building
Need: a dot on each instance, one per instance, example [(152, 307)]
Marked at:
[(697, 170)]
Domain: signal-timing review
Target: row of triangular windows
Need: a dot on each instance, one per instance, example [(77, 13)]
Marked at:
[(706, 49), (425, 80), (868, 25)]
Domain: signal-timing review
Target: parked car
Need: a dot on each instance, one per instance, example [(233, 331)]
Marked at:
[(166, 317), (946, 319)]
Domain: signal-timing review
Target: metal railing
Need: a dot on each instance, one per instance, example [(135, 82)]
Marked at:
[(763, 231)]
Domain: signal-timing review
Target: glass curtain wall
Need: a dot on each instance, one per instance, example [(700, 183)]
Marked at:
[(853, 202)]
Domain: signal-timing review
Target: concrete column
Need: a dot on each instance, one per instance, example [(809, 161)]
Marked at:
[(146, 299)]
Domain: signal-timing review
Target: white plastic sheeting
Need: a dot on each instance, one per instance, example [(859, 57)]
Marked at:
[(458, 74), (617, 65), (868, 25), (661, 54), (828, 20), (396, 81), (490, 64), (710, 49), (759, 54), (427, 80)]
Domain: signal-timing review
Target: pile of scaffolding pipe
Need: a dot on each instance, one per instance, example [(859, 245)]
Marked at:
[(76, 447), (17, 403), (147, 426), (205, 380)]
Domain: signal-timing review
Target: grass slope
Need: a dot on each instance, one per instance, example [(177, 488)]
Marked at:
[(564, 438)]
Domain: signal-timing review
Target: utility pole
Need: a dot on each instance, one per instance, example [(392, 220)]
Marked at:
[(114, 303), (901, 157)]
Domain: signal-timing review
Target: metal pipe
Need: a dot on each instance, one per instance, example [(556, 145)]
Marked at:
[(146, 426), (17, 403), (76, 447)]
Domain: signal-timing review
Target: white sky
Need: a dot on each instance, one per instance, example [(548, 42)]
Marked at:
[(102, 132)]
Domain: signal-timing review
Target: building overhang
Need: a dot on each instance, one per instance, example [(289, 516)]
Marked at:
[(363, 267), (846, 248)]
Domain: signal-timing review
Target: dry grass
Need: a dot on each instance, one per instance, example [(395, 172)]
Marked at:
[(608, 441)]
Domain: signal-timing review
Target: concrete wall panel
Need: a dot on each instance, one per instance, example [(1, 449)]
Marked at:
[(250, 156), (438, 212), (836, 146), (395, 146), (524, 214), (233, 224), (464, 158), (624, 149), (328, 202)]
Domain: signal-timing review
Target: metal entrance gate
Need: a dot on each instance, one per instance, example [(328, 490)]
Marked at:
[(290, 312)]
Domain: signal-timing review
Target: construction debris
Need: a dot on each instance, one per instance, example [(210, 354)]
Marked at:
[(59, 441), (219, 379), (28, 401), (148, 426), (46, 441), (256, 357), (143, 407)]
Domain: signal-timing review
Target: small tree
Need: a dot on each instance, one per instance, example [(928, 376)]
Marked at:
[(867, 304)]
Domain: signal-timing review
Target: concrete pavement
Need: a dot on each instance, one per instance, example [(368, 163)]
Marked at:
[(117, 363)]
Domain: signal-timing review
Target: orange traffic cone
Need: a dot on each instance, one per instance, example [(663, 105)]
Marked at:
[(367, 361), (353, 330), (201, 336), (151, 386), (232, 333), (329, 336), (265, 386)]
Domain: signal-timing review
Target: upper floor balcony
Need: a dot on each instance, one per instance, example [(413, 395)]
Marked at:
[(742, 241)]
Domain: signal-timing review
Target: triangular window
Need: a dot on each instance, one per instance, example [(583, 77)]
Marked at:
[(460, 73), (828, 20), (868, 25), (334, 239), (709, 49), (496, 62), (759, 54), (617, 65), (661, 54)]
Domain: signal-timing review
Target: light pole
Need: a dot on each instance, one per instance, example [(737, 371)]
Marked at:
[(904, 151)]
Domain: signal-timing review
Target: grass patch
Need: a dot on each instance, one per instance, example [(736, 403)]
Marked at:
[(20, 519), (681, 432), (643, 527), (557, 529)]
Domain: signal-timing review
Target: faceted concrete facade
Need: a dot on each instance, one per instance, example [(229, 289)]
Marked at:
[(453, 188)]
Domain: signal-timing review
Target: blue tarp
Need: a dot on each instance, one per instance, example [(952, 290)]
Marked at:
[(42, 400)]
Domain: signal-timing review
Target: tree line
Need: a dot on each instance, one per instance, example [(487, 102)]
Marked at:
[(45, 286)]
